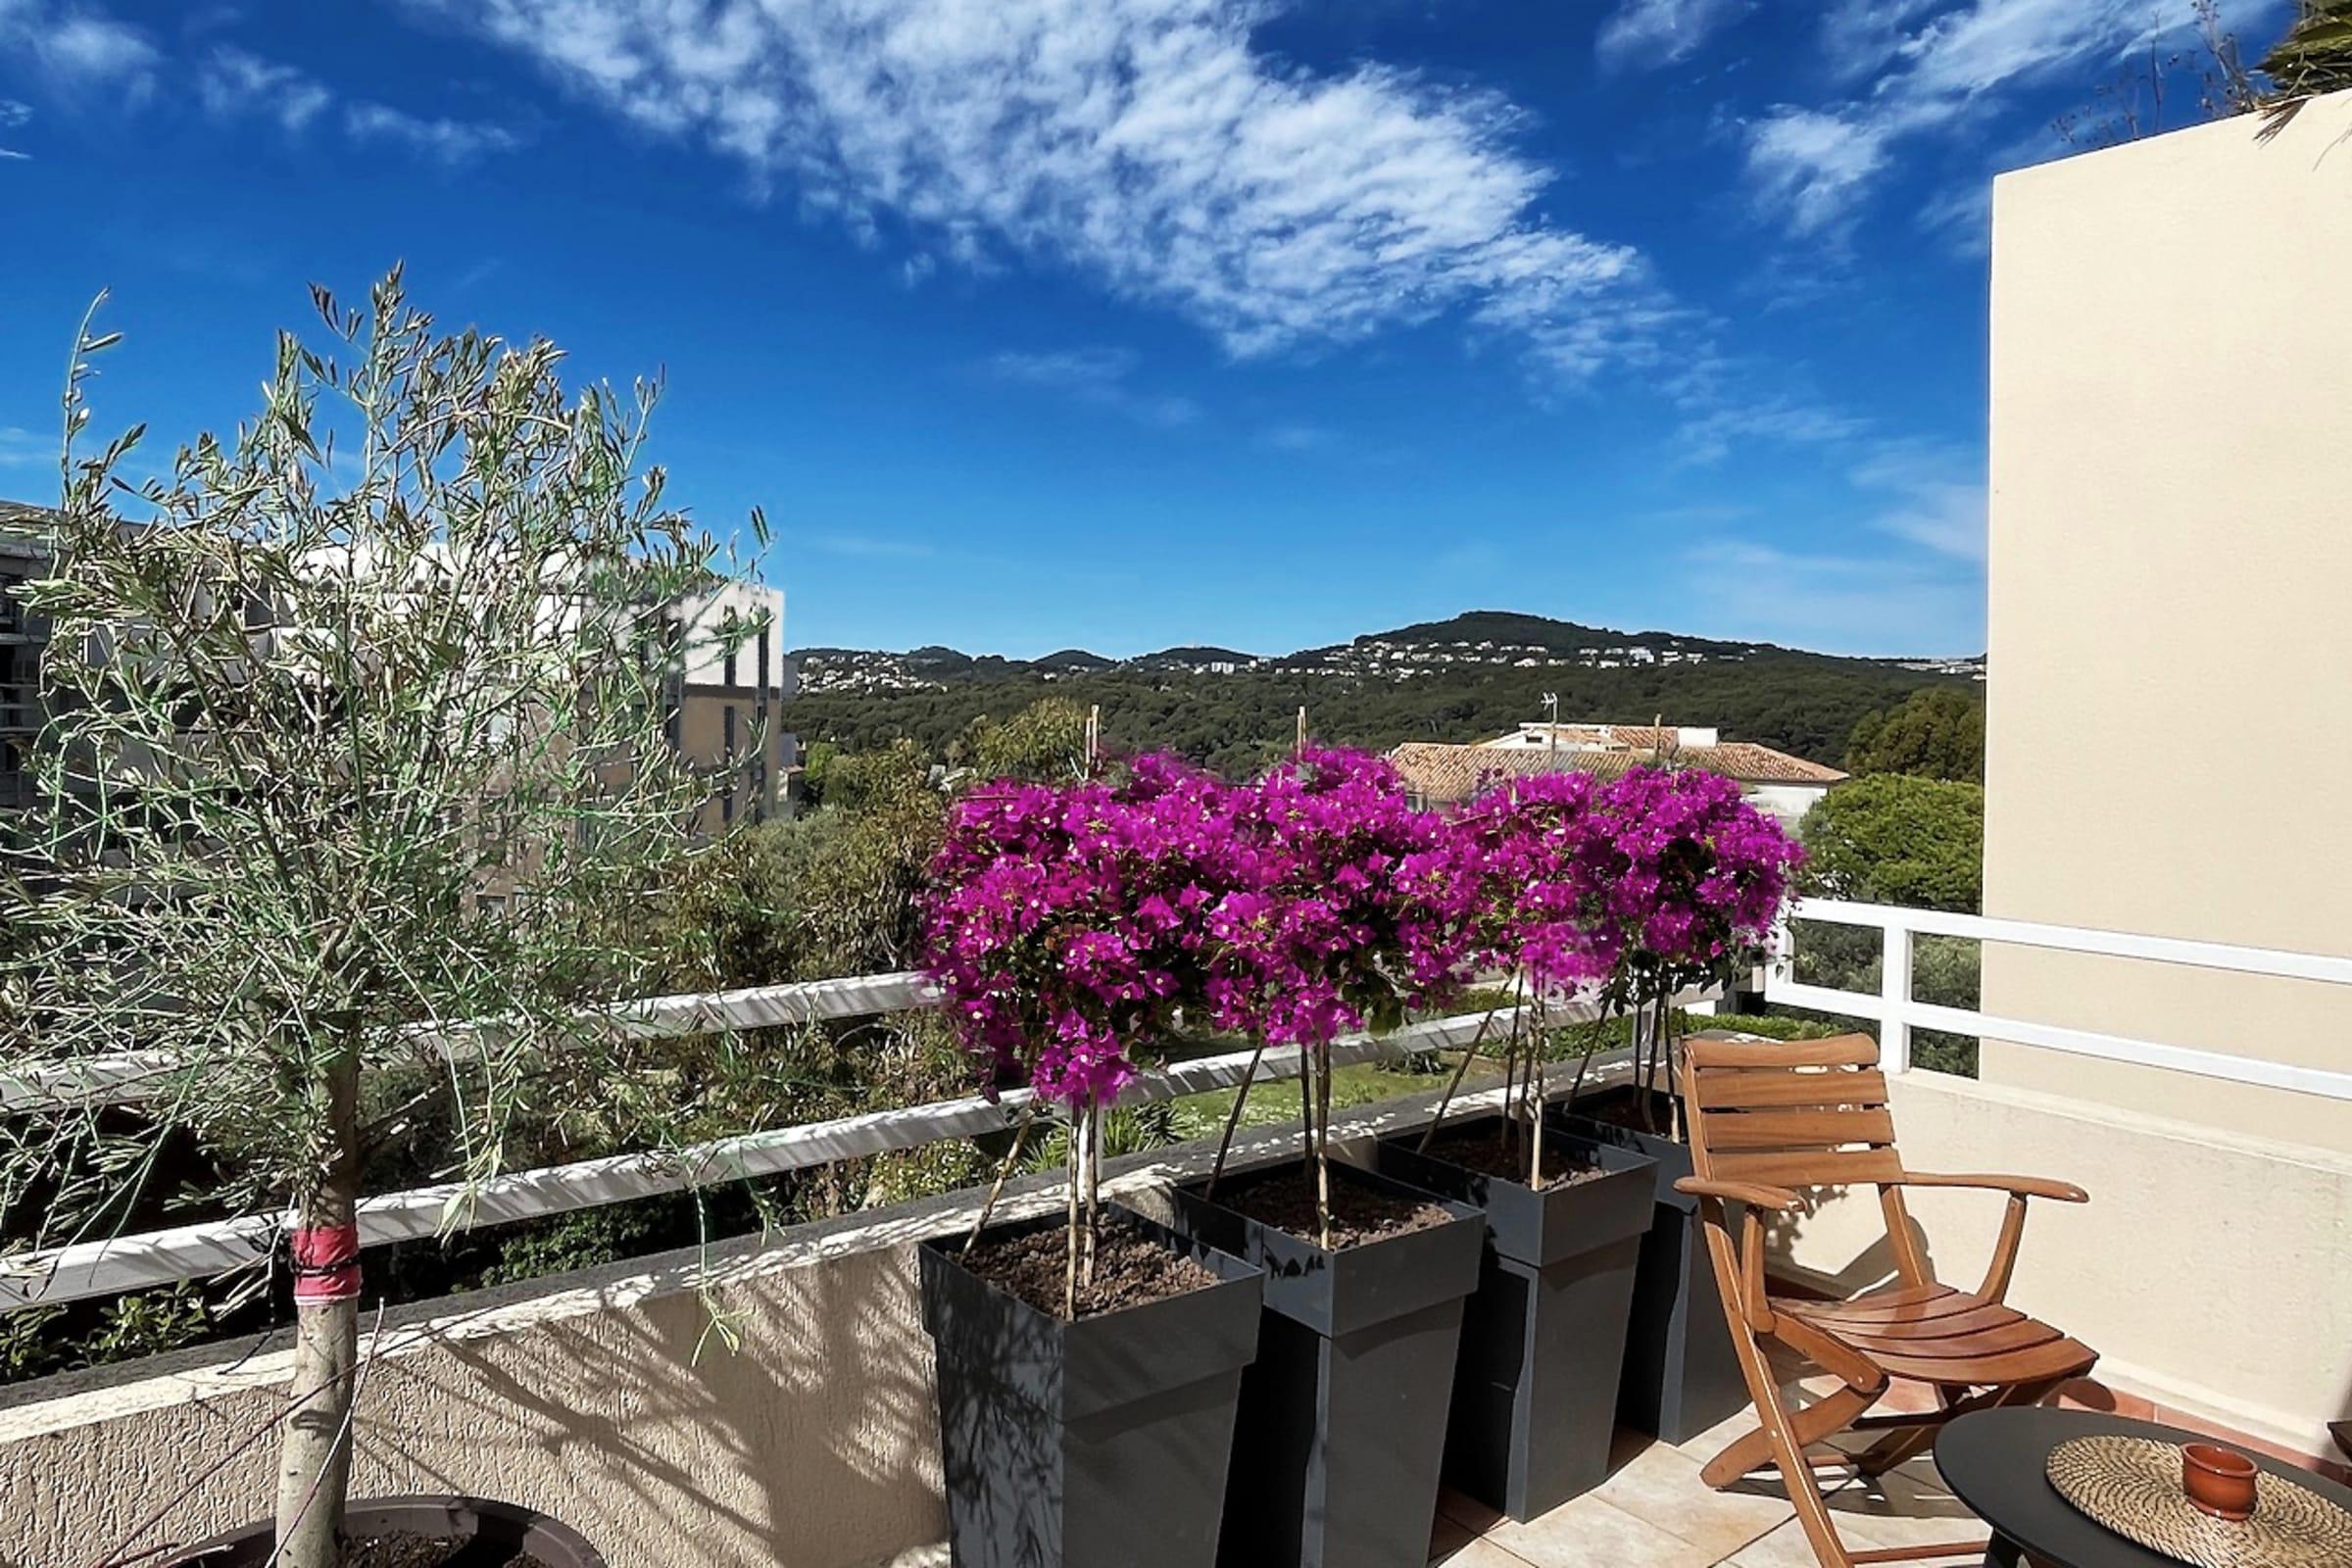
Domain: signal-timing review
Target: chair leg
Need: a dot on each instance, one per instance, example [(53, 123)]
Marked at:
[(1905, 1442), (1831, 1414), (1783, 1438), (1901, 1444)]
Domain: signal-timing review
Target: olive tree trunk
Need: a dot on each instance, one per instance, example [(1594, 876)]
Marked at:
[(313, 1467)]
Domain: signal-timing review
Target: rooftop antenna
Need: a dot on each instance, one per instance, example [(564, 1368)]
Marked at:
[(1299, 746), (1093, 738), (1551, 731)]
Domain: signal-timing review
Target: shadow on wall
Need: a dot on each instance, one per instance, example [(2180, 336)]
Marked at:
[(1870, 1267), (809, 1441)]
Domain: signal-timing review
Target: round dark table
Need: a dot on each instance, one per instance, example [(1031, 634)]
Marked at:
[(1993, 1461)]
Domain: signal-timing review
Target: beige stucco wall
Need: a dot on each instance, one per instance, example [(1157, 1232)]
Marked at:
[(2208, 1269), (608, 1400), (612, 1404), (2169, 738)]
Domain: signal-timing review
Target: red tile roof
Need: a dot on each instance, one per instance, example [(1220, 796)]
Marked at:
[(1444, 773)]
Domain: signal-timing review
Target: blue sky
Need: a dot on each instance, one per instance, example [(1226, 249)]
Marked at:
[(1128, 322)]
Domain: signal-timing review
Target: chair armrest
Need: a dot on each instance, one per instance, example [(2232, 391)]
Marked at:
[(2015, 1186), (1754, 1194)]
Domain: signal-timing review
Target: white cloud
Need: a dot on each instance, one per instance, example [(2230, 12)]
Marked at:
[(76, 47), (1812, 166), (1727, 417), (1090, 367), (1295, 437), (1836, 603), (1143, 142), (1859, 36), (232, 82), (1937, 496), (1101, 376), (1644, 33), (1808, 165), (453, 141), (1962, 216), (870, 547), (20, 447)]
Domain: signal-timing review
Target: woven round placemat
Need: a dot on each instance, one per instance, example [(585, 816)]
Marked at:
[(2133, 1486)]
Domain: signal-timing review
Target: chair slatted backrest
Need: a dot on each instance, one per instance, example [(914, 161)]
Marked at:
[(1803, 1115)]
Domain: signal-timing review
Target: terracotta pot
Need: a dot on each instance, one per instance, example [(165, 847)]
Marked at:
[(2220, 1480)]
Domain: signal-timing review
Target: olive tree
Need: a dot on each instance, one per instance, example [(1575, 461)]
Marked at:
[(358, 737)]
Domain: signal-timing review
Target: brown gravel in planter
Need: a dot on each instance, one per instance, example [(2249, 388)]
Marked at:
[(1286, 1200), (1482, 1149), (1129, 1270), (402, 1549)]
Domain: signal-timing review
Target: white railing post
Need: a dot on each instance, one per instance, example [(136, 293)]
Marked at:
[(1895, 996)]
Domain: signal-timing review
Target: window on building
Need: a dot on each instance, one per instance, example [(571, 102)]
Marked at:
[(727, 729), (766, 676)]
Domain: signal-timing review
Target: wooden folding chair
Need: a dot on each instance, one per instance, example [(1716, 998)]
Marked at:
[(1767, 1120)]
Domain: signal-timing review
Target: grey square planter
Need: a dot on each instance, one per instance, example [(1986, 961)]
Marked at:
[(1073, 1444), (1343, 1423), (1681, 1376), (1535, 1391)]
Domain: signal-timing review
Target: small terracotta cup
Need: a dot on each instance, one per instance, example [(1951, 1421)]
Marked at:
[(2220, 1480)]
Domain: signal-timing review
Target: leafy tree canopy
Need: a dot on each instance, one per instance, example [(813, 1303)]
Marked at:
[(1937, 732), (1894, 838)]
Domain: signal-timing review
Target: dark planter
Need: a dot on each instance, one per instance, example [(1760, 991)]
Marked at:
[(1681, 1377), (1341, 1436), (1097, 1442), (481, 1533), (1534, 1392)]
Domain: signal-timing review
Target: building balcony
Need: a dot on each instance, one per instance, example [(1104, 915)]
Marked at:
[(606, 1398)]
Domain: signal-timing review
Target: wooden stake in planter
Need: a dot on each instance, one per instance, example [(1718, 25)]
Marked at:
[(1069, 1282), (1090, 1166), (996, 1189), (1453, 1087), (1535, 1163), (1323, 1144), (1233, 1117)]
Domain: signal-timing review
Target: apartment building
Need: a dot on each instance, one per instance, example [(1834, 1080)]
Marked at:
[(727, 708)]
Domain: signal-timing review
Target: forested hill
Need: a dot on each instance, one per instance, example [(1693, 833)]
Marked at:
[(1461, 679)]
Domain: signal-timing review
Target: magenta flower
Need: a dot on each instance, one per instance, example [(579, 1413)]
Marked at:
[(1066, 923)]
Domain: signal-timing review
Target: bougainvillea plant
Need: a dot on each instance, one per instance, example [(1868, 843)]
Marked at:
[(1522, 865), (1346, 913), (1066, 927), (1684, 876), (1071, 925)]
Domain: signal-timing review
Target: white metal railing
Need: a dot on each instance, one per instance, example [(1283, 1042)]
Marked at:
[(126, 1077), (114, 1264), (1898, 1013)]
